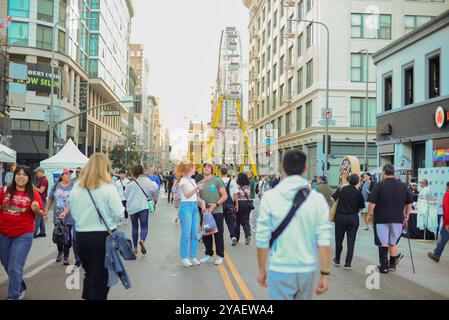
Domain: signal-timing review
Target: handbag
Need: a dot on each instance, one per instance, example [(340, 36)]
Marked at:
[(228, 205), (250, 202), (333, 210), (300, 197), (150, 202)]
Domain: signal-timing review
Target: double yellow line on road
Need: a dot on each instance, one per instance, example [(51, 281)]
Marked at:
[(232, 292)]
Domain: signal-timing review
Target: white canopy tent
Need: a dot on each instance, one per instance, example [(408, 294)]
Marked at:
[(7, 155), (69, 157)]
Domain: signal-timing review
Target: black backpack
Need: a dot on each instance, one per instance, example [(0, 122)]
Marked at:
[(228, 205)]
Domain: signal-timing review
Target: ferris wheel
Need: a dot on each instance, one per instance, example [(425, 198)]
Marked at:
[(229, 77)]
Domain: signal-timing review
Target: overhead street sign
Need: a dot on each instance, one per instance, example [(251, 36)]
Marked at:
[(110, 113), (330, 122)]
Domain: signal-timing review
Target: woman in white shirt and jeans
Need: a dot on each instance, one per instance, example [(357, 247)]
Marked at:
[(137, 194), (91, 232), (188, 213)]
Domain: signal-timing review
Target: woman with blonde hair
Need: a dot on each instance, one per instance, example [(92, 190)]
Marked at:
[(188, 213), (95, 190)]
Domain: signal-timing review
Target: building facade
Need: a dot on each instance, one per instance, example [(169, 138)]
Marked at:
[(287, 72), (413, 104), (91, 68)]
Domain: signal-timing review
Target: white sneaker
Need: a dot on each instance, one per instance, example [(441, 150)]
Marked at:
[(186, 263), (206, 259), (218, 260), (195, 261), (22, 295)]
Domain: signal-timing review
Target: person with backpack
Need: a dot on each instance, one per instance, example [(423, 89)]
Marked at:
[(121, 184), (293, 229), (263, 186), (213, 195), (230, 206), (137, 193)]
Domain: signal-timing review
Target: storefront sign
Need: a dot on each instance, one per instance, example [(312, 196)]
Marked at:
[(39, 78), (441, 117)]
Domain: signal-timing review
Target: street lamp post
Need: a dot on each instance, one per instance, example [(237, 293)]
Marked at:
[(326, 138), (51, 124), (366, 108)]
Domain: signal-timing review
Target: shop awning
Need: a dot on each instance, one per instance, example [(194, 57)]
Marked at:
[(7, 154)]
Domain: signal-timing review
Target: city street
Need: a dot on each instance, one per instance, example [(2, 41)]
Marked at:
[(160, 275)]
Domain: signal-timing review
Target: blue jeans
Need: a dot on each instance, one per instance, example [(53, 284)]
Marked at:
[(444, 238), (143, 217), (189, 217), (39, 222), (13, 255)]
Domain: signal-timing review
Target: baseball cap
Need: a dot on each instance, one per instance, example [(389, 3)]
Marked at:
[(66, 170), (39, 169)]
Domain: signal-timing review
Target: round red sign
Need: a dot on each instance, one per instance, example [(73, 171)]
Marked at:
[(440, 117)]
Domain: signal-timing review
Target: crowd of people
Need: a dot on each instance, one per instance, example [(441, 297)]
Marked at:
[(290, 217)]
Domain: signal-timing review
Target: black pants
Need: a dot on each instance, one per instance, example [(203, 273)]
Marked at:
[(218, 237), (345, 224), (65, 247), (169, 193), (243, 220), (92, 249), (126, 212), (165, 186), (231, 222)]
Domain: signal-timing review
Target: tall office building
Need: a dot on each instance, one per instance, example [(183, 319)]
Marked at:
[(287, 71), (91, 68)]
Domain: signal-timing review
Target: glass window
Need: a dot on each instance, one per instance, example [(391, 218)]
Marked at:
[(309, 114), (309, 75), (299, 45), (275, 19), (288, 119), (301, 10), (309, 36), (274, 71), (45, 10), (18, 34), (34, 125), (280, 126), (61, 41), (356, 25), (299, 118), (388, 93), (93, 67), (358, 112), (15, 124), (281, 37), (290, 88), (43, 126), (269, 29), (309, 5), (95, 4), (408, 86), (385, 27), (358, 68), (413, 22), (43, 37), (19, 8), (299, 81), (281, 66), (62, 10), (25, 125), (95, 22), (275, 42), (274, 99), (93, 47), (434, 76)]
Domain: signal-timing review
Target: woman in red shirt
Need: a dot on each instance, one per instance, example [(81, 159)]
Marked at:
[(19, 207)]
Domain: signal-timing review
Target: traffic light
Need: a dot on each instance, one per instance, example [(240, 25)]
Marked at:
[(328, 144)]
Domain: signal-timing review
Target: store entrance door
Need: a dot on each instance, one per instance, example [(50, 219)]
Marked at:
[(419, 157)]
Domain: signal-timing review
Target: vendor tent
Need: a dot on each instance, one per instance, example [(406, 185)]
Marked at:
[(7, 154), (69, 157)]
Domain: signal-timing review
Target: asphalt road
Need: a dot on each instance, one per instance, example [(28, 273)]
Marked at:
[(159, 274)]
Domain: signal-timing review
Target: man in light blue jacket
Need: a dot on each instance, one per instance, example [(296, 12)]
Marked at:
[(302, 246)]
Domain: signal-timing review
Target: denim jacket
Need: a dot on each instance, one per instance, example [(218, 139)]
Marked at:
[(117, 243)]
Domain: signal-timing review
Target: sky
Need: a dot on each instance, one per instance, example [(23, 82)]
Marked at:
[(181, 40)]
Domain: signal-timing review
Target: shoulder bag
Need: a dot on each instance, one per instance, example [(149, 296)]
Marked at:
[(300, 197), (250, 202), (150, 202)]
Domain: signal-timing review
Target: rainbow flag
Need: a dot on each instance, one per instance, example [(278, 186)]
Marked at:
[(439, 155)]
